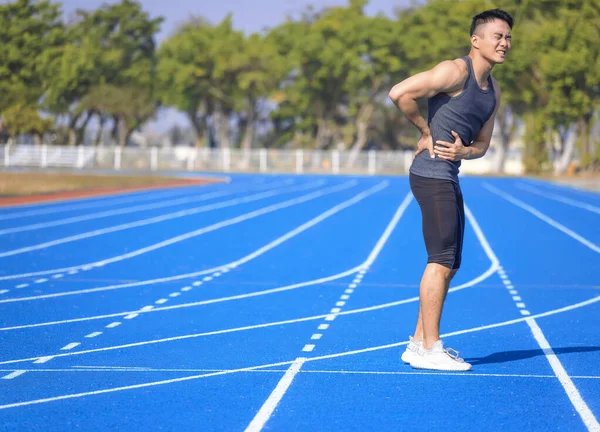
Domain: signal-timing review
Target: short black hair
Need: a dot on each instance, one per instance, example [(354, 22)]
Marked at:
[(490, 15)]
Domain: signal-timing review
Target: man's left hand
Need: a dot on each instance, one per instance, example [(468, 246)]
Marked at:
[(451, 151)]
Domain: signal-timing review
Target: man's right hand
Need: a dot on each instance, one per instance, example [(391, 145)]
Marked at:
[(425, 143)]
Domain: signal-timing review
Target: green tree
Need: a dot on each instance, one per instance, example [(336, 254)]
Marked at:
[(111, 45), (30, 32)]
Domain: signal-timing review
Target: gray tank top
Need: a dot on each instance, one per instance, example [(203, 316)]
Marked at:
[(465, 113)]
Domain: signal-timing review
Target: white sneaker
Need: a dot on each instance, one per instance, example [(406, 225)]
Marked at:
[(411, 350), (439, 358)]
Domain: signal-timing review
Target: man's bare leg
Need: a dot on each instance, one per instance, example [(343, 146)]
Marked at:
[(433, 289)]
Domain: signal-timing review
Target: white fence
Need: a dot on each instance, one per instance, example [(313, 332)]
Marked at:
[(227, 160)]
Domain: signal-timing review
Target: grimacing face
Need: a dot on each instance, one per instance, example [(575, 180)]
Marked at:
[(493, 40)]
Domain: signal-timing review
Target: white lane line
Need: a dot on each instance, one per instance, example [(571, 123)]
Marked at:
[(133, 369), (43, 360), (4, 291), (70, 346), (103, 202), (175, 294), (560, 198), (25, 285), (323, 357), (543, 217), (265, 412), (468, 284), (14, 374), (122, 369), (576, 399), (121, 211), (57, 276), (157, 219), (260, 251), (113, 325), (584, 411), (222, 224), (316, 336), (146, 308), (323, 326), (130, 316), (186, 288), (194, 304)]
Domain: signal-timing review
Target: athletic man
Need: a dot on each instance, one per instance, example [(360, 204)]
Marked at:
[(463, 99)]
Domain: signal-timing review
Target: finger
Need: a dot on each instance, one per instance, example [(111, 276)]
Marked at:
[(430, 148), (445, 143), (445, 150), (456, 136)]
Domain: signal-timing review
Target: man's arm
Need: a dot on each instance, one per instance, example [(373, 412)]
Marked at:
[(446, 77), (484, 137)]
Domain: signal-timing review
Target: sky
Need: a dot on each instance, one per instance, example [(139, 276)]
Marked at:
[(248, 15)]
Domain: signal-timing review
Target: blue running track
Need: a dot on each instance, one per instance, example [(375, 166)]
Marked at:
[(283, 303)]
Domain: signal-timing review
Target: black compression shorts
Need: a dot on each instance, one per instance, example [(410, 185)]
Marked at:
[(443, 215)]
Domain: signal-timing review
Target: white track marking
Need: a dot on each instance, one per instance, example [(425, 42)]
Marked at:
[(264, 414), (122, 369), (584, 411), (223, 268), (271, 403), (70, 346), (329, 356), (105, 201), (304, 319), (122, 211), (468, 284), (93, 335), (131, 387), (567, 188), (14, 374), (42, 360), (157, 219), (560, 198), (235, 220), (194, 304), (543, 217)]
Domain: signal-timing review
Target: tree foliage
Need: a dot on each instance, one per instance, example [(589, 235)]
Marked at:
[(317, 80)]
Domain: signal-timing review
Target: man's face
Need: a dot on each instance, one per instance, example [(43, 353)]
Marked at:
[(494, 40)]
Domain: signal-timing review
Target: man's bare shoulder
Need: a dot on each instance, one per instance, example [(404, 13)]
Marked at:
[(457, 67), (454, 73)]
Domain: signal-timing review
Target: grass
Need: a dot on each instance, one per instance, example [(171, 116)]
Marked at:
[(28, 183)]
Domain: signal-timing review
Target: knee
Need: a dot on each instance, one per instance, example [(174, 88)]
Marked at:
[(447, 273)]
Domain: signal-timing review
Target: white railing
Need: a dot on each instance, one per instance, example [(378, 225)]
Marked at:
[(227, 160)]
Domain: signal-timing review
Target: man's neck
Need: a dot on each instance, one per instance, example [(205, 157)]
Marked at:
[(481, 68)]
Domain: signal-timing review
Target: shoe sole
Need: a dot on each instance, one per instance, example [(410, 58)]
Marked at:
[(431, 366)]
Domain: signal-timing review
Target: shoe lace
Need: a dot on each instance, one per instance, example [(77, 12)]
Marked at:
[(453, 353)]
